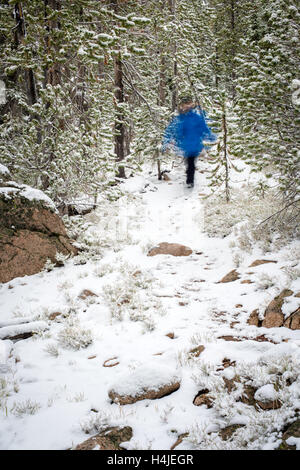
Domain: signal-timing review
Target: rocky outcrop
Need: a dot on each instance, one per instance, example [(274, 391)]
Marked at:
[(109, 439), (174, 249), (30, 231), (273, 316)]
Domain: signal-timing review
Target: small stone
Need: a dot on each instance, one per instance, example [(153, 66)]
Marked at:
[(195, 352), (87, 293), (170, 335), (203, 398), (54, 315), (258, 262), (109, 439), (230, 277), (226, 433)]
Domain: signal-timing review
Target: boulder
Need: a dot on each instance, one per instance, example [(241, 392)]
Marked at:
[(30, 233), (274, 317), (109, 439), (144, 384), (174, 249)]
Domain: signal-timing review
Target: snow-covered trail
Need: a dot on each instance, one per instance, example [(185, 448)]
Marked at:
[(142, 316)]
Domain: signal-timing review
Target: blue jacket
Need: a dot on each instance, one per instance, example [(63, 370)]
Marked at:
[(187, 131)]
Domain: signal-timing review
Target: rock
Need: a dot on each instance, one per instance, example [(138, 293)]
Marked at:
[(195, 352), (293, 430), (268, 405), (273, 317), (230, 338), (110, 439), (231, 276), (228, 363), (18, 332), (293, 321), (266, 398), (261, 261), (227, 433), (54, 315), (170, 335), (254, 318), (87, 293), (31, 232), (166, 177), (174, 249), (203, 398), (142, 384), (246, 281)]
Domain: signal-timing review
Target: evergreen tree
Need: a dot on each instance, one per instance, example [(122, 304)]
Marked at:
[(269, 119)]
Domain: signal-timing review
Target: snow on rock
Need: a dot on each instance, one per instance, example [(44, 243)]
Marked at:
[(294, 441), (13, 331), (173, 249), (266, 393), (144, 383), (13, 189)]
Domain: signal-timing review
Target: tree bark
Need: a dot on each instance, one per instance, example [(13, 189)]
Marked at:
[(119, 119), (120, 131)]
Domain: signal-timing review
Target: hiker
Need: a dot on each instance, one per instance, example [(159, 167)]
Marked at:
[(186, 131)]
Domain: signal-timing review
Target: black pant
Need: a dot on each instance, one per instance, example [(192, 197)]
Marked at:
[(190, 169)]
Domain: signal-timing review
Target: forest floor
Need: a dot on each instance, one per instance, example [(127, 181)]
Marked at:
[(113, 318)]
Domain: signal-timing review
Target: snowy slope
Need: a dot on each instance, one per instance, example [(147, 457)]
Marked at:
[(55, 384)]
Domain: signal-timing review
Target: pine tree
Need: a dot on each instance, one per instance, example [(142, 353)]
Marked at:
[(269, 119)]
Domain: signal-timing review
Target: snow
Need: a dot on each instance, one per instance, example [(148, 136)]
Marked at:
[(5, 349), (138, 301), (294, 441), (22, 190), (4, 170), (266, 393), (13, 330), (144, 378)]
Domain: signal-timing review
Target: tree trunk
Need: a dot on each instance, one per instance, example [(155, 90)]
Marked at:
[(226, 163), (119, 119), (120, 134), (172, 7)]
